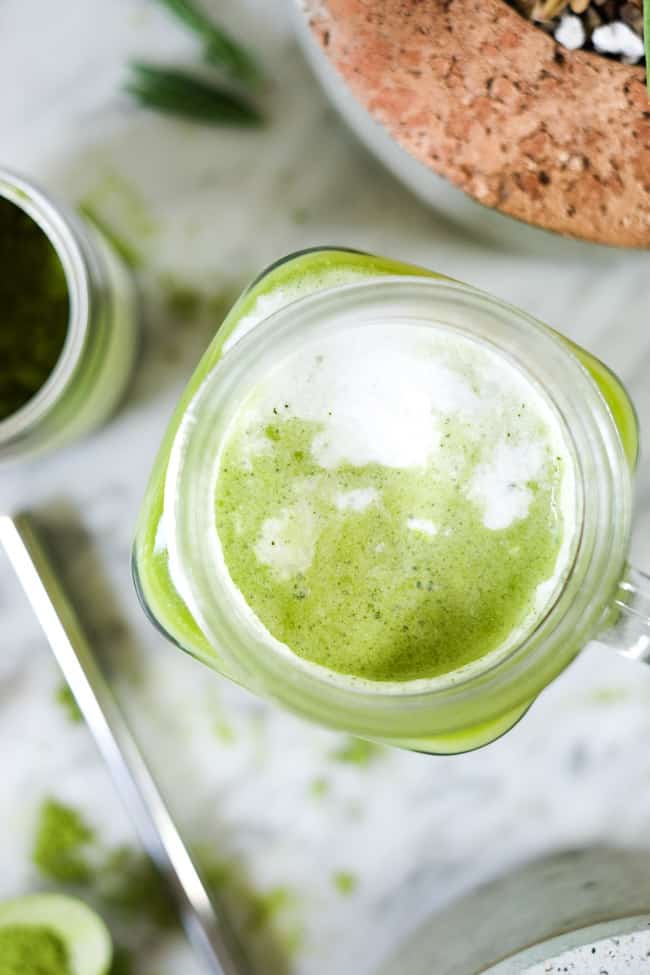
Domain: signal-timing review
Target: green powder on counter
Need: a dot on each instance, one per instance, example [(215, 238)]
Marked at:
[(127, 881), (27, 949), (345, 882), (608, 696), (183, 302), (65, 698), (123, 883), (67, 850), (187, 303), (265, 906), (118, 210), (35, 308), (357, 751), (126, 250), (61, 844), (256, 909), (318, 788), (268, 921), (224, 732)]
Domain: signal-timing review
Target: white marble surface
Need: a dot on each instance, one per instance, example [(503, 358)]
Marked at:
[(213, 207)]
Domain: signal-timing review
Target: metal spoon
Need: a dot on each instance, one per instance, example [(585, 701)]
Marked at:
[(210, 935)]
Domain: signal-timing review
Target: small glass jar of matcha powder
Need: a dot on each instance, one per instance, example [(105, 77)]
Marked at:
[(68, 335)]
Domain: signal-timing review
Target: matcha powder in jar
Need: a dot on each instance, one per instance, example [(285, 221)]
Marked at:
[(52, 934), (27, 949), (68, 325), (35, 308)]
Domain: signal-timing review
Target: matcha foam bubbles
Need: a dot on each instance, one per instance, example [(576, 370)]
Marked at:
[(394, 502)]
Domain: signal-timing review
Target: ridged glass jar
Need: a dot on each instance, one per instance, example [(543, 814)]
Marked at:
[(96, 362)]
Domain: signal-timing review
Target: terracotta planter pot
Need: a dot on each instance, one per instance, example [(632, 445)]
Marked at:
[(482, 97)]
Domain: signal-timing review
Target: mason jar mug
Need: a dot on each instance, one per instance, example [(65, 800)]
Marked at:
[(186, 586)]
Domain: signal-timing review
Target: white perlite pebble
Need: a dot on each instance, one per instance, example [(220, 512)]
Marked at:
[(618, 38), (570, 32)]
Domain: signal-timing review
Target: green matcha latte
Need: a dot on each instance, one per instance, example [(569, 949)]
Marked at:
[(394, 502), (368, 496)]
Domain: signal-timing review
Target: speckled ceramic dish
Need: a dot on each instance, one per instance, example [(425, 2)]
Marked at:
[(469, 91), (584, 912)]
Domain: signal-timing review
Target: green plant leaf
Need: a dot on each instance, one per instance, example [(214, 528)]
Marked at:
[(219, 48), (175, 92), (221, 51)]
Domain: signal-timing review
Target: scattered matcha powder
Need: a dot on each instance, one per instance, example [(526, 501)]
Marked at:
[(65, 698), (219, 303), (357, 751), (266, 918), (182, 302), (66, 850), (264, 907), (61, 844), (187, 303), (130, 254), (114, 190), (345, 882), (608, 695), (29, 949), (319, 788), (224, 731), (120, 213), (258, 909), (126, 880), (293, 939), (220, 720)]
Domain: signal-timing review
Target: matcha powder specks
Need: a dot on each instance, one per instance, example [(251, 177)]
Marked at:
[(32, 950), (34, 308), (68, 851), (61, 844)]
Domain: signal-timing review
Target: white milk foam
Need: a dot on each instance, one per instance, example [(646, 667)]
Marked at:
[(382, 395)]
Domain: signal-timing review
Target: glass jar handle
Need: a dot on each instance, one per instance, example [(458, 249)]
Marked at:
[(626, 626)]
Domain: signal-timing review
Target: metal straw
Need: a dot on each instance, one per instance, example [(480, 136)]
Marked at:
[(210, 935)]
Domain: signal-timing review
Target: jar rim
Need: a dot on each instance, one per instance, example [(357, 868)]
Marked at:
[(188, 494), (59, 230)]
